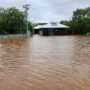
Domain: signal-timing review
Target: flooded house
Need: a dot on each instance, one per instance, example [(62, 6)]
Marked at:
[(52, 28)]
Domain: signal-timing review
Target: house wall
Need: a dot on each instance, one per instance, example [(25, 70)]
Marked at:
[(56, 31)]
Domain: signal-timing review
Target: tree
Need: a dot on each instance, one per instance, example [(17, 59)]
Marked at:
[(12, 21), (2, 31), (31, 26), (80, 22)]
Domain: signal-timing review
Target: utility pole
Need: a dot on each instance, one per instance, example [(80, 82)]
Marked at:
[(26, 10)]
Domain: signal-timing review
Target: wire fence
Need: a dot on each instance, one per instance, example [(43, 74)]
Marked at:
[(13, 36)]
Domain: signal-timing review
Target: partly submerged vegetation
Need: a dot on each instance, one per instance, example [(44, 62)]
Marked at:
[(80, 22), (13, 21)]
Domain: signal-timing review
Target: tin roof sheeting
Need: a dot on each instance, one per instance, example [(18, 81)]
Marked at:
[(51, 25)]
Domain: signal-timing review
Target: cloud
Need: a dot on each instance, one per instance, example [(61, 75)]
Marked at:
[(48, 10)]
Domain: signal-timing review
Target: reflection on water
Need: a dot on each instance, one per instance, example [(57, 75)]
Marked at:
[(45, 63)]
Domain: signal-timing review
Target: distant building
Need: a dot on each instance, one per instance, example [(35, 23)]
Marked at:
[(52, 28)]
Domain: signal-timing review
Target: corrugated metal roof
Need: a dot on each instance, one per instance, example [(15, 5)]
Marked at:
[(51, 25)]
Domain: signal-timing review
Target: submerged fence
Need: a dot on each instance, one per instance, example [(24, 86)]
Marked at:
[(13, 36)]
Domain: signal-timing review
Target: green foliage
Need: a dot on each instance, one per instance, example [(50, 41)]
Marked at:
[(13, 21), (80, 23), (31, 26)]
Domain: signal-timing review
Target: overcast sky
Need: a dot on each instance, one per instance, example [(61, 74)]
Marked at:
[(48, 10)]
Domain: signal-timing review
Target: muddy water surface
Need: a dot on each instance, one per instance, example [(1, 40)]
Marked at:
[(45, 63)]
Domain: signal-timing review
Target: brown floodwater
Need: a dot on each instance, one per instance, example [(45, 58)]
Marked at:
[(45, 63)]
